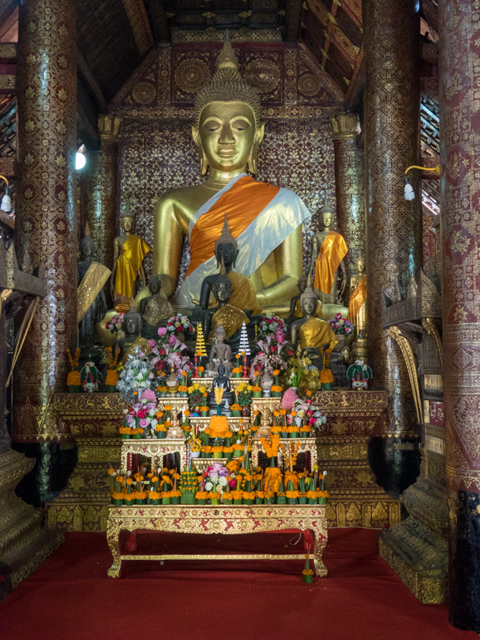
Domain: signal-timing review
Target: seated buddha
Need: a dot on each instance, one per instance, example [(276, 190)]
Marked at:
[(225, 314), (242, 291), (154, 309), (295, 308), (220, 354), (265, 220), (311, 332)]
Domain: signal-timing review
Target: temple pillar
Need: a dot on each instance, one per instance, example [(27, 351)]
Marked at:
[(349, 187), (394, 241), (460, 191), (45, 206), (101, 189)]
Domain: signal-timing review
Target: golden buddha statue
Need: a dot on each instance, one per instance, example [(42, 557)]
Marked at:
[(357, 306), (311, 332), (265, 220), (155, 307), (129, 250), (328, 250)]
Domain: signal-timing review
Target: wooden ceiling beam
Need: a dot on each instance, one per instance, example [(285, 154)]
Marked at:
[(91, 84), (140, 25), (293, 12), (159, 21)]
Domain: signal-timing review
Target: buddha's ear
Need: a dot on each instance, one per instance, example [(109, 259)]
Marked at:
[(202, 156), (259, 133), (196, 135), (252, 160)]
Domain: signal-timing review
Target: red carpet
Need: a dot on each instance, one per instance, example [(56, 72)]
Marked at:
[(70, 598)]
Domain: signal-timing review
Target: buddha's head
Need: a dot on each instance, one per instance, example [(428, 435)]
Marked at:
[(127, 220), (154, 285), (226, 250), (220, 334), (302, 283), (326, 215), (360, 265), (222, 289), (221, 371), (227, 128), (132, 323), (309, 301), (87, 247)]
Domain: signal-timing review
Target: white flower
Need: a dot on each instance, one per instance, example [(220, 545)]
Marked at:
[(208, 486), (223, 481), (324, 473)]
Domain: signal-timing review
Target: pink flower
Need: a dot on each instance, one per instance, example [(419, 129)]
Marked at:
[(148, 394), (172, 340), (143, 423), (162, 331), (289, 398), (152, 343)]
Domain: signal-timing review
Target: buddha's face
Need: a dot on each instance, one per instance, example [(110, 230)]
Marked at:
[(309, 306), (87, 248), (128, 223), (227, 252), (360, 264), (221, 370), (131, 327), (227, 133), (220, 336), (327, 219), (154, 286)]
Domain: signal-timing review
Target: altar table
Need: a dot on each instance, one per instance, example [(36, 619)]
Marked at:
[(221, 519)]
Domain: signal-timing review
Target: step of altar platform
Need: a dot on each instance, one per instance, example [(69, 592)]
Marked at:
[(24, 543)]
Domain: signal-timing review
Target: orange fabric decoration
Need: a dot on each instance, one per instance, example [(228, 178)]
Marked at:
[(332, 252), (242, 204), (358, 297)]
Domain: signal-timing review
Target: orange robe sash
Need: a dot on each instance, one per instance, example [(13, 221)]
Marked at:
[(242, 204), (332, 252), (357, 300), (133, 252)]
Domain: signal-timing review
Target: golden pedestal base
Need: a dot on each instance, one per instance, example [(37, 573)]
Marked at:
[(217, 520), (93, 420), (417, 548), (24, 543)]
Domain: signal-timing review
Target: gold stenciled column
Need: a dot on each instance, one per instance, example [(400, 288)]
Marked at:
[(460, 192), (392, 98), (349, 186), (45, 209), (101, 189)]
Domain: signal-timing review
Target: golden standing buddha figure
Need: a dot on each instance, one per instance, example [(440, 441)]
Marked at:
[(129, 250), (328, 250), (265, 220), (357, 313)]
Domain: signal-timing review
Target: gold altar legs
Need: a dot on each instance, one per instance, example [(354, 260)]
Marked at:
[(100, 183), (393, 224), (349, 187), (45, 215), (460, 192)]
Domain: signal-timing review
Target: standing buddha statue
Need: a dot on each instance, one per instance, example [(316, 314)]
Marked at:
[(264, 219), (358, 296), (129, 250), (328, 250)]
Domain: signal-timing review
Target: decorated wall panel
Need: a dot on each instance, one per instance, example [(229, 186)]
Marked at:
[(156, 151)]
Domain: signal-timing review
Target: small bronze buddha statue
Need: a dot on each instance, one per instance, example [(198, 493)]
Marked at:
[(220, 354), (311, 332), (222, 381), (231, 318), (358, 296), (94, 306), (154, 308), (243, 294), (131, 327), (295, 308)]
